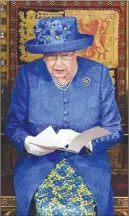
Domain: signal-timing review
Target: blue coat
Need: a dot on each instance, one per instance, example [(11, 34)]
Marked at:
[(37, 103)]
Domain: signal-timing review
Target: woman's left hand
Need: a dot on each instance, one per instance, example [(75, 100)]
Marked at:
[(36, 149)]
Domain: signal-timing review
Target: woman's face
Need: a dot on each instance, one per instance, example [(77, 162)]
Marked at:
[(61, 65)]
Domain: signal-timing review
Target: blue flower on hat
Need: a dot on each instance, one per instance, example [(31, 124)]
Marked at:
[(53, 31)]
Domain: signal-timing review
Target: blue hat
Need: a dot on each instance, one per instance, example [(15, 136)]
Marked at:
[(57, 34)]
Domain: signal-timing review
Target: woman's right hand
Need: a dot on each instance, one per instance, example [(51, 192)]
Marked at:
[(36, 149)]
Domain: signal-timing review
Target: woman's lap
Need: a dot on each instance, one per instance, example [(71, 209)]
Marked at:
[(63, 192)]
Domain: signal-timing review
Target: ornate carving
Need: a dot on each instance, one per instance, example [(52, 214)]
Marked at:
[(122, 93), (122, 57), (12, 79), (13, 19), (12, 66), (122, 32), (13, 3), (88, 3), (122, 44), (2, 8), (52, 3), (122, 172), (7, 212), (2, 35), (41, 14), (12, 43), (100, 3), (122, 82), (12, 30), (121, 202), (122, 3), (122, 19), (109, 3), (40, 3), (12, 55), (121, 106), (9, 201), (121, 212), (27, 3), (121, 69), (3, 61), (64, 3), (76, 3)]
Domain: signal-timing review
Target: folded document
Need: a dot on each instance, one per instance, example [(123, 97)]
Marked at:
[(68, 140)]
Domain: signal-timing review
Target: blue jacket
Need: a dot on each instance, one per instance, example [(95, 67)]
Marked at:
[(37, 103)]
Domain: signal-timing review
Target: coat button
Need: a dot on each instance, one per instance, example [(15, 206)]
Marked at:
[(65, 119), (66, 123), (65, 100), (66, 112)]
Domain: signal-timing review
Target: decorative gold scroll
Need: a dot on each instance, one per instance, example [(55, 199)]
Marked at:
[(104, 25), (27, 21), (41, 14)]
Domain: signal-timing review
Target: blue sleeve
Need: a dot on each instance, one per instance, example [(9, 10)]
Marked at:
[(17, 119), (109, 115)]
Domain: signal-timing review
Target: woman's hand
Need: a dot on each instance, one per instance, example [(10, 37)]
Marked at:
[(36, 149)]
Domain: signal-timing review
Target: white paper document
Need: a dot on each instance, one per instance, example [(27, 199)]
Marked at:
[(66, 137), (83, 138), (47, 138)]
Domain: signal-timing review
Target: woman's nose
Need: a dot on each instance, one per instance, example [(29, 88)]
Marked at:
[(58, 61)]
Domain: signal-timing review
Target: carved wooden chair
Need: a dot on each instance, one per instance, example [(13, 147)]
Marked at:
[(108, 21)]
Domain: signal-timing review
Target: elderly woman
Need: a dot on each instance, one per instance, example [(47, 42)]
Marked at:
[(67, 92)]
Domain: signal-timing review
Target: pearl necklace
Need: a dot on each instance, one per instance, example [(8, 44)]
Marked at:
[(62, 87)]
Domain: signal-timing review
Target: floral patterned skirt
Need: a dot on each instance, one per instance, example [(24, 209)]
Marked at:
[(63, 193)]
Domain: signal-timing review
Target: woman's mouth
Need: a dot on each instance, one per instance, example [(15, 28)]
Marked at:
[(59, 71)]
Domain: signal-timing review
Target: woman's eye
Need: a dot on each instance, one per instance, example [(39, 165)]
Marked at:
[(65, 55)]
